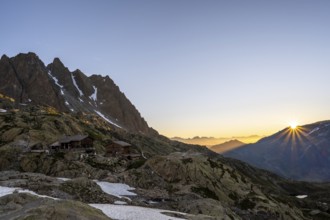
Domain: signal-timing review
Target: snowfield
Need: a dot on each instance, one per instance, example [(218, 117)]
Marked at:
[(119, 210), (116, 189), (126, 212), (119, 190)]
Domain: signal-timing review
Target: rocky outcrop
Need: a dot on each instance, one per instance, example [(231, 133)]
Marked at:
[(25, 206), (195, 178), (26, 79)]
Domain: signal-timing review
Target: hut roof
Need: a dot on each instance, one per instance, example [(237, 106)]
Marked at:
[(68, 139), (55, 144)]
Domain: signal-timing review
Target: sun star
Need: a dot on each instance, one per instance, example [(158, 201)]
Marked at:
[(293, 125)]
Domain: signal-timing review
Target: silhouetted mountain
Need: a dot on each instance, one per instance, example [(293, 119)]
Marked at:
[(26, 79), (227, 146), (302, 153), (211, 141)]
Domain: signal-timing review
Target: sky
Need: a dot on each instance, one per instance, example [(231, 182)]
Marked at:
[(209, 68)]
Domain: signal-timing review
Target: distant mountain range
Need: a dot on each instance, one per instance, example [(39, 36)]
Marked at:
[(302, 153), (211, 141), (227, 146), (26, 79)]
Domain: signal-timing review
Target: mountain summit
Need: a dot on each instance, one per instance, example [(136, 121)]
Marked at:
[(26, 79), (302, 153)]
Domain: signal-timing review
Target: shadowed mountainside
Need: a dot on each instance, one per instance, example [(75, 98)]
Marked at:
[(302, 153)]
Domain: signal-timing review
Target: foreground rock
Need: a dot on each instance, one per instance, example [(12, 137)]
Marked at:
[(26, 206)]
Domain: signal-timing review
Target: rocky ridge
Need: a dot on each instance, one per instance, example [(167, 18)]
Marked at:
[(301, 154), (26, 79)]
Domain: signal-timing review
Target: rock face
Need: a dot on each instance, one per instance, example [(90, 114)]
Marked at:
[(302, 153), (26, 79)]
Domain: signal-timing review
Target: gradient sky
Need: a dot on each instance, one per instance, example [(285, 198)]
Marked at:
[(208, 68)]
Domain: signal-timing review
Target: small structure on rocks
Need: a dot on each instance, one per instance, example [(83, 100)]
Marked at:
[(121, 149), (37, 148), (79, 143)]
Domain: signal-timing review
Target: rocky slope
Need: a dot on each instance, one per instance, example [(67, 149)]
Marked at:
[(172, 176), (301, 154), (26, 79)]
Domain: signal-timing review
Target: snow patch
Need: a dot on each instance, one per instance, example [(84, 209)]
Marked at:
[(312, 131), (105, 118), (10, 190), (80, 99), (3, 110), (116, 189), (124, 212), (66, 102), (76, 85), (94, 95), (301, 196), (6, 190), (63, 178), (56, 81)]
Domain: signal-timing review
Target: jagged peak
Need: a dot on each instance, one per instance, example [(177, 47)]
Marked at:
[(57, 61), (105, 78), (78, 71), (4, 57), (29, 55)]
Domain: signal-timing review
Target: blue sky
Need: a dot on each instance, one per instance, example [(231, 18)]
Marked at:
[(208, 68)]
